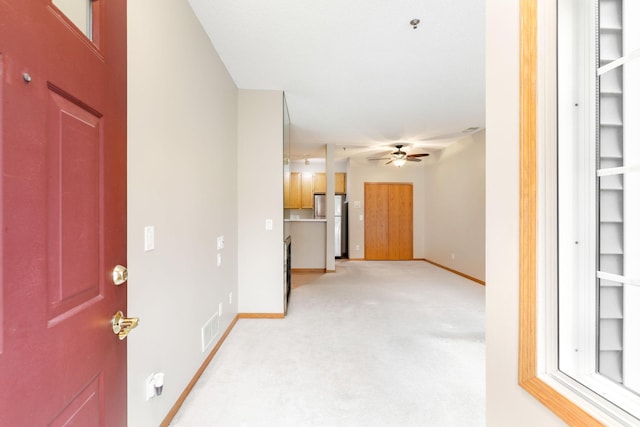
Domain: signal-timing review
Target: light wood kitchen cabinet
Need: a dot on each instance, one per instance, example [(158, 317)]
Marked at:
[(286, 190), (294, 191), (320, 182), (298, 189), (341, 182), (306, 191)]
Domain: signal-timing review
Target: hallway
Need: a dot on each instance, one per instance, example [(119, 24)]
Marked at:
[(374, 344)]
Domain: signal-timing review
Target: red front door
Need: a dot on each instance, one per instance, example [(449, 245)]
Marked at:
[(63, 215)]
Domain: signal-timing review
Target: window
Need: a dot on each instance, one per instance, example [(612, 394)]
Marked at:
[(580, 209), (80, 13)]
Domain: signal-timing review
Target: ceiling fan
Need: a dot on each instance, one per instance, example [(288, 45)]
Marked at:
[(399, 157)]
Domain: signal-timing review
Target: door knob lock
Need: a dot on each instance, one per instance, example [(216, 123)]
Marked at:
[(119, 275), (123, 325)]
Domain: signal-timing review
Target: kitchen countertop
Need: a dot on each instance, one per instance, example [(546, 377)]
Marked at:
[(307, 220)]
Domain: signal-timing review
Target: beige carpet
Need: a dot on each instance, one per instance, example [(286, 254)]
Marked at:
[(374, 344)]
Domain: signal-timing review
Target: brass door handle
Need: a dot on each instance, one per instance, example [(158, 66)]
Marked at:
[(119, 275), (123, 325)]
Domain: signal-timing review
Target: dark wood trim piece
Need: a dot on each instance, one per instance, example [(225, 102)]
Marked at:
[(261, 315), (183, 396), (466, 276)]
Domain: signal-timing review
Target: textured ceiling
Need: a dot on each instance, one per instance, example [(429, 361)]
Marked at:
[(354, 72)]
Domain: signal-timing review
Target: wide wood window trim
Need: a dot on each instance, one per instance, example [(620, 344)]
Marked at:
[(527, 365)]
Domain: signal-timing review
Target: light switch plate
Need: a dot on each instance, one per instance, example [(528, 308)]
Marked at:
[(268, 224), (356, 204), (149, 238), (220, 242)]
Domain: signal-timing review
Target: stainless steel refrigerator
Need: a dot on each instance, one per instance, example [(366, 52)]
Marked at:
[(320, 206)]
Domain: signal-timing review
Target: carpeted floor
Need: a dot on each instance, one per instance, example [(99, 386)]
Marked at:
[(374, 344)]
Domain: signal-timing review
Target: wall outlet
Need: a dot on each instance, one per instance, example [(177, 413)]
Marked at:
[(453, 256), (230, 297), (220, 310), (154, 385), (268, 224), (220, 243), (219, 260), (357, 247)]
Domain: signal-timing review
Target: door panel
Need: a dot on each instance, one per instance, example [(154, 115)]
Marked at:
[(63, 215), (82, 409), (400, 221), (2, 288), (376, 225), (74, 174)]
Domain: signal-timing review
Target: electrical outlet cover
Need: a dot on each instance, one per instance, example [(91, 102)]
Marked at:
[(150, 390)]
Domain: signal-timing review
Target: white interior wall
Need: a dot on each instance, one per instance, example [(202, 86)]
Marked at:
[(365, 171), (181, 117), (260, 198), (507, 403), (455, 206)]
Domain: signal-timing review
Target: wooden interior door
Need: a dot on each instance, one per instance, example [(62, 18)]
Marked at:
[(400, 221), (63, 214), (376, 221), (388, 228)]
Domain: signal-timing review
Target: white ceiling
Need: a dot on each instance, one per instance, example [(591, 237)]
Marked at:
[(354, 72)]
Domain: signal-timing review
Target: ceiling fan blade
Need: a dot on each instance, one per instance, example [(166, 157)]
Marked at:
[(388, 162), (412, 159), (418, 155), (377, 158)]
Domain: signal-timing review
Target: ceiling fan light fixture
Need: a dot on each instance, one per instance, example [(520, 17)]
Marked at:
[(306, 162), (399, 161)]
